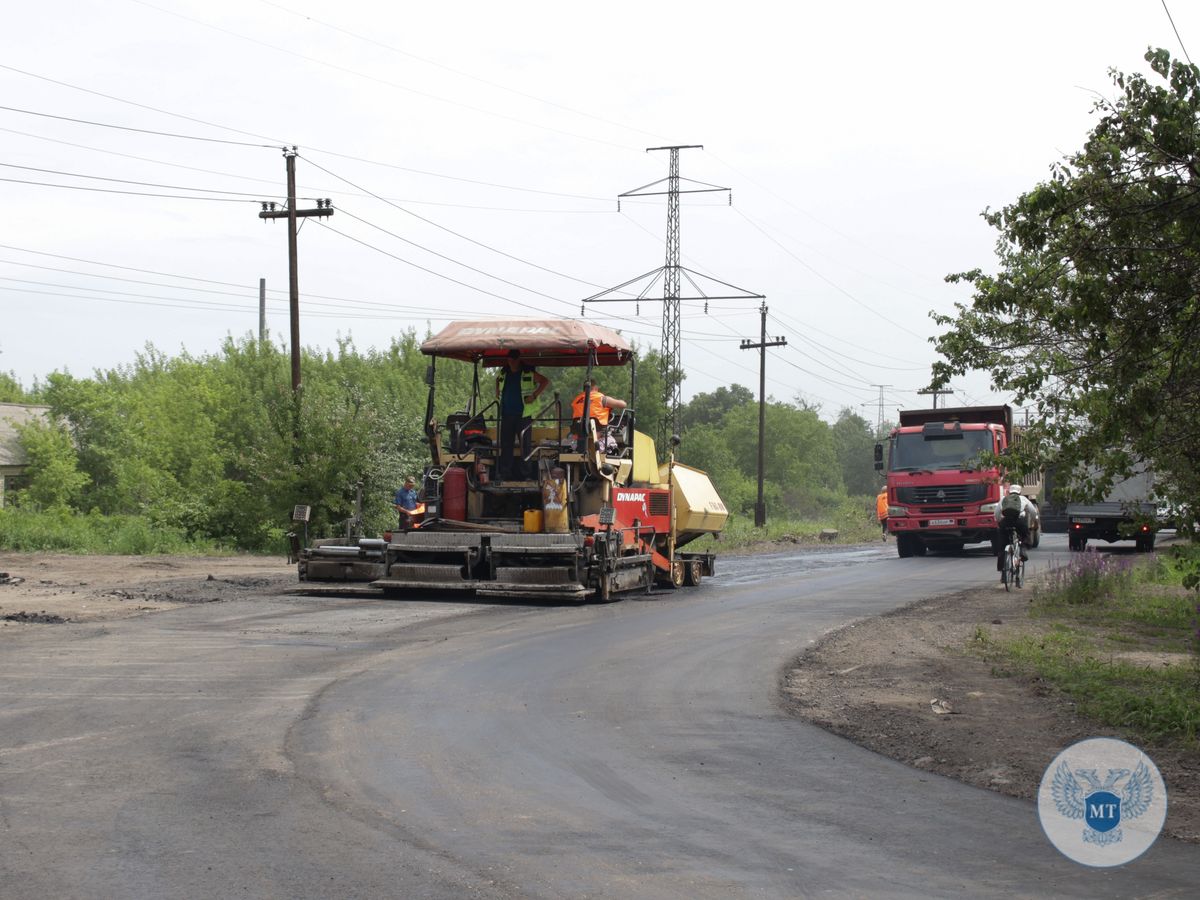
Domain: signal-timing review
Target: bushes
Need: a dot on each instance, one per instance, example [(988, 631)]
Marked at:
[(218, 450), (63, 531)]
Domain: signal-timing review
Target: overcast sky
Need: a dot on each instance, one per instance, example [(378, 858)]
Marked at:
[(474, 151)]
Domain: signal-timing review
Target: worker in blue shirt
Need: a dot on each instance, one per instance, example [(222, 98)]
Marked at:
[(408, 506)]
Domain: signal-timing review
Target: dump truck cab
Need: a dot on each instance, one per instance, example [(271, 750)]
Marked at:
[(594, 514)]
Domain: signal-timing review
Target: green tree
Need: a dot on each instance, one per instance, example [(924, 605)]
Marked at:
[(711, 408), (854, 443), (11, 390), (1094, 314), (800, 460), (54, 477)]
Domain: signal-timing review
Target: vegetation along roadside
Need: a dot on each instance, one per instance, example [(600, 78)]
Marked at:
[(1120, 638)]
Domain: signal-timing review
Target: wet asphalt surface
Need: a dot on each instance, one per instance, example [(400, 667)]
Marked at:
[(349, 747)]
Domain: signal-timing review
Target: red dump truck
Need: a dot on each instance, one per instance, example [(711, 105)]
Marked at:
[(941, 495)]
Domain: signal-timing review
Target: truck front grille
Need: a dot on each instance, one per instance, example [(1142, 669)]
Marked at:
[(942, 495)]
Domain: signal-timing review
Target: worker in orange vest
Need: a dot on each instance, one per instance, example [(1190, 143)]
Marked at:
[(881, 510), (600, 408)]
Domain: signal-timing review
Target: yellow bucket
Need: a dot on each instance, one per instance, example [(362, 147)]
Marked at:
[(533, 520)]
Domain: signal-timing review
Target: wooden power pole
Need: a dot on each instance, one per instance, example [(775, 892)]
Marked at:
[(937, 392), (324, 208), (760, 507)]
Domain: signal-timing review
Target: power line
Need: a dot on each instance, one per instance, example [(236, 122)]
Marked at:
[(467, 266), (171, 187), (383, 81), (860, 362), (841, 384), (324, 192), (1171, 19), (828, 281), (450, 259), (448, 230), (436, 274), (80, 187), (275, 144), (337, 302), (461, 237), (809, 215), (223, 306), (452, 70), (92, 262), (186, 137), (810, 327)]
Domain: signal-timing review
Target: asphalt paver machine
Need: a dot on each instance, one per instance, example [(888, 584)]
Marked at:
[(596, 515)]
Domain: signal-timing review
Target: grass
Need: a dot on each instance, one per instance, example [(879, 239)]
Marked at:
[(1118, 637), (852, 524), (63, 531)]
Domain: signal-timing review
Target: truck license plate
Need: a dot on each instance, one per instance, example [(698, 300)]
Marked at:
[(941, 521), (1088, 520)]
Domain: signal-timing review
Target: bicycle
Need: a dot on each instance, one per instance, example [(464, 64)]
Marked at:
[(1012, 572)]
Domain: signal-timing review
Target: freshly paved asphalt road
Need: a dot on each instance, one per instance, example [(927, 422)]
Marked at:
[(305, 747)]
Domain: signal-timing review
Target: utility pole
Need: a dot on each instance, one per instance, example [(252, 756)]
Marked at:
[(324, 208), (262, 310), (937, 392), (760, 508), (879, 420)]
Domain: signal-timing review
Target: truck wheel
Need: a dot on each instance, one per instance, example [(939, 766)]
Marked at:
[(1035, 536), (1145, 543), (904, 545), (693, 571)]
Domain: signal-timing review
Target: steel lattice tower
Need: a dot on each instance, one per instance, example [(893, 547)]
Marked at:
[(671, 361), (673, 275)]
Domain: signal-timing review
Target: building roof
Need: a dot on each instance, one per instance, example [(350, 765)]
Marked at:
[(11, 415)]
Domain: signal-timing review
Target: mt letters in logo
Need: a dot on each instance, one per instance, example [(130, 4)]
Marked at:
[(1102, 802)]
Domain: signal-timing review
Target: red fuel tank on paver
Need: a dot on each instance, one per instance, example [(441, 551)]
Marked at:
[(454, 494)]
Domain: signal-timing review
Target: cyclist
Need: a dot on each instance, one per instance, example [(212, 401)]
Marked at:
[(1015, 511)]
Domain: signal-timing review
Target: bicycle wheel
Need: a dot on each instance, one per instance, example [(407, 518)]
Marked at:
[(1007, 570), (1019, 572)]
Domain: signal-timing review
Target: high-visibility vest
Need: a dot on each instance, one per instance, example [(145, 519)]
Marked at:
[(528, 386), (599, 411)]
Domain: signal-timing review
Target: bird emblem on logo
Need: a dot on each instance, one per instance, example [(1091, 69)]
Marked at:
[(1098, 803)]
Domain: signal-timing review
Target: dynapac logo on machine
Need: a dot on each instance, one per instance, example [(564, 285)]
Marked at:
[(631, 496)]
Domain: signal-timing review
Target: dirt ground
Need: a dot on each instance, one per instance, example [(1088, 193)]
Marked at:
[(873, 681), (46, 588)]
